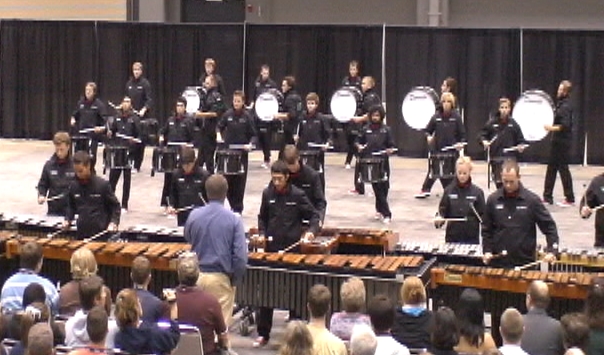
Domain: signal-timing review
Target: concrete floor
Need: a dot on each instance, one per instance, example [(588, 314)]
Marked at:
[(22, 161)]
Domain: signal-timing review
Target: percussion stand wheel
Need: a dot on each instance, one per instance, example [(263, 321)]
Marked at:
[(152, 172), (244, 328)]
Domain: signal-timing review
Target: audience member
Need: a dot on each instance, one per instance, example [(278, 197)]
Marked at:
[(511, 329), (352, 296), (82, 264), (542, 334), (381, 313), (445, 335), (297, 340), (37, 312), (594, 309), (470, 321), (96, 326), (575, 331), (153, 308), (324, 342), (362, 340), (39, 340), (30, 263), (141, 337), (412, 321)]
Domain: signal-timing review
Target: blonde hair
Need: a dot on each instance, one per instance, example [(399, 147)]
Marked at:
[(352, 295), (449, 97), (413, 291), (127, 309), (83, 264), (297, 339), (465, 160)]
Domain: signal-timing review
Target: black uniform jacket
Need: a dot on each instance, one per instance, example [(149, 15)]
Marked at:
[(376, 137), (95, 204), (563, 117), (292, 105), (446, 130), (186, 189), (213, 103), (509, 224), (312, 129), (455, 203), (56, 177), (309, 181), (90, 114), (508, 135), (236, 127), (370, 99), (139, 91), (594, 197), (281, 215), (178, 129), (127, 124)]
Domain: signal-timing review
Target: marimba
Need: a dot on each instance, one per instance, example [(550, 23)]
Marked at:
[(449, 253), (577, 260)]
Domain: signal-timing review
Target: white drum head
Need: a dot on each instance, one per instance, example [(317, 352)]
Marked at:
[(343, 105), (533, 110), (267, 106), (419, 106), (193, 99)]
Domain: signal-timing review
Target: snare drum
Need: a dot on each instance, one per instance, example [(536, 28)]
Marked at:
[(267, 104), (442, 165), (149, 131), (311, 158), (165, 160), (533, 110), (80, 143), (117, 157), (419, 106), (372, 170), (229, 162), (344, 103), (195, 96)]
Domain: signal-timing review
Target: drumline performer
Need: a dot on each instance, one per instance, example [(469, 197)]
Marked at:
[(138, 89), (209, 66), (89, 119), (123, 132), (592, 201), (375, 140), (353, 79), (371, 99), (445, 130), (212, 109), (263, 84), (178, 129), (502, 138), (188, 189), (92, 199), (461, 206), (57, 175), (289, 113), (236, 127)]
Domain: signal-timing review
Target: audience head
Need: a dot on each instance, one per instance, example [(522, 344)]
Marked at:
[(97, 325), (492, 351), (594, 304), (127, 308), (362, 340), (40, 340), (470, 316), (297, 339), (413, 291), (512, 326), (575, 331), (91, 292), (319, 298), (217, 187), (352, 295), (444, 329), (381, 313), (83, 264), (537, 295), (574, 351), (34, 292), (188, 269), (31, 256), (37, 312), (141, 271)]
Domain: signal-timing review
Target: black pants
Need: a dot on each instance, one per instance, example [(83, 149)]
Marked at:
[(264, 141), (181, 217), (359, 186), (429, 182), (165, 193), (94, 147), (139, 155), (380, 189), (114, 176), (264, 322), (236, 190), (206, 155), (351, 148), (558, 162)]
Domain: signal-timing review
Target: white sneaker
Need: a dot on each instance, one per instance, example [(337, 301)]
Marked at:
[(386, 220), (171, 216), (164, 210), (264, 165), (347, 166), (377, 216), (124, 211)]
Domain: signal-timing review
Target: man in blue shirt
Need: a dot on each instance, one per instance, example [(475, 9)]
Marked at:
[(217, 237), (153, 308), (30, 265)]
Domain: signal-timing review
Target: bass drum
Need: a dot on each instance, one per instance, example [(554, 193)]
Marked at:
[(195, 96), (419, 106), (267, 104), (533, 110), (344, 103)]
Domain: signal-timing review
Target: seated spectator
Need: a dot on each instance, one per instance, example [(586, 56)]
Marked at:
[(34, 313), (470, 321), (141, 337), (445, 335), (39, 340), (83, 264), (30, 263), (2, 334), (362, 340), (594, 310), (96, 326), (575, 331), (324, 342), (297, 339), (352, 296), (542, 334), (33, 293), (154, 309), (91, 295), (511, 329), (196, 307), (381, 312), (412, 321)]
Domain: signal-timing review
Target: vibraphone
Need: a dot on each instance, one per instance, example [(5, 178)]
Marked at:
[(281, 280), (503, 288), (577, 260), (448, 253)]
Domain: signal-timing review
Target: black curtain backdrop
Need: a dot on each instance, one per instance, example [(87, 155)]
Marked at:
[(43, 66), (485, 63), (552, 56), (317, 56)]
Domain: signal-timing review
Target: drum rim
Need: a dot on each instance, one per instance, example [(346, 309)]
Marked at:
[(274, 97), (521, 119), (354, 91)]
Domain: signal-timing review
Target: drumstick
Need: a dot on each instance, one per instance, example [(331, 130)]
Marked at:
[(241, 146), (451, 219), (99, 234), (514, 148), (54, 234), (449, 147), (382, 152), (475, 212), (529, 265), (55, 197), (202, 199), (318, 145), (503, 254), (128, 137), (91, 129), (493, 139), (184, 209), (180, 144), (290, 247)]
